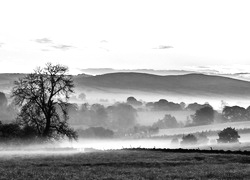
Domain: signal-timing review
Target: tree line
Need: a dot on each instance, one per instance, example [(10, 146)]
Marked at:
[(227, 135)]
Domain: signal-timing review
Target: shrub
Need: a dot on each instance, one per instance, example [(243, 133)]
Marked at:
[(228, 135)]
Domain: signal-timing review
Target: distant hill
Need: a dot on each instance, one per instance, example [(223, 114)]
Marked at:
[(245, 76), (189, 84), (100, 71), (195, 84)]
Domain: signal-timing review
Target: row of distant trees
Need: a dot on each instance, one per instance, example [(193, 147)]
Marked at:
[(227, 135), (204, 113), (118, 117), (122, 117), (230, 113), (205, 116), (164, 105)]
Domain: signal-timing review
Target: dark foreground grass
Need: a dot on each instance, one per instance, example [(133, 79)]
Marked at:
[(124, 164)]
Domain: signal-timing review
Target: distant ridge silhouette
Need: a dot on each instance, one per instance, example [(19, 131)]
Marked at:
[(198, 84), (188, 84)]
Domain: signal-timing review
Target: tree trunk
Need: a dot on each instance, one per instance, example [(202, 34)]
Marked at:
[(47, 127)]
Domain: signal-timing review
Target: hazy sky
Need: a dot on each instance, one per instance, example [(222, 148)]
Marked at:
[(129, 34)]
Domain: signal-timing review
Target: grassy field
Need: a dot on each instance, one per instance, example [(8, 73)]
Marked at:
[(122, 164)]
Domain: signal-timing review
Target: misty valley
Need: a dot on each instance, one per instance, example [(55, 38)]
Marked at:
[(116, 124), (124, 90), (50, 131)]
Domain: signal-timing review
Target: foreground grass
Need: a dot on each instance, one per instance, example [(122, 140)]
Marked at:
[(126, 165)]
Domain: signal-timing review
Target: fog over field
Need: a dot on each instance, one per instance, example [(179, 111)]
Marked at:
[(124, 89), (124, 110)]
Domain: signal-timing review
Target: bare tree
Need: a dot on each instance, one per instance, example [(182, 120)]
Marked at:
[(44, 96)]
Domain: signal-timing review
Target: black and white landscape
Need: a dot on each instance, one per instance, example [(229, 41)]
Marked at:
[(124, 89)]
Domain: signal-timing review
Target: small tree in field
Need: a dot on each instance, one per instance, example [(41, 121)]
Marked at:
[(43, 97), (228, 135)]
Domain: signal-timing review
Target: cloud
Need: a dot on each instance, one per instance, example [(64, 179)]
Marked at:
[(1, 44), (105, 49), (163, 47), (103, 41), (63, 47), (43, 41), (47, 41), (45, 50), (203, 67)]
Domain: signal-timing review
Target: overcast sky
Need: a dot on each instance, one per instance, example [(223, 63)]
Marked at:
[(129, 34)]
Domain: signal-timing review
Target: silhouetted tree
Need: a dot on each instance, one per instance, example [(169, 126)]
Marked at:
[(228, 135), (43, 96), (203, 116)]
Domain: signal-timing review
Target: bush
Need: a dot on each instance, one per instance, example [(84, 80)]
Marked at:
[(14, 133), (228, 135), (10, 131)]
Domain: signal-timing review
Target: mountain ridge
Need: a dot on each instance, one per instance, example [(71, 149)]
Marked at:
[(189, 84)]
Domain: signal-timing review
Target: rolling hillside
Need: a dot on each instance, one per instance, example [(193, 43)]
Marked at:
[(195, 84), (190, 84)]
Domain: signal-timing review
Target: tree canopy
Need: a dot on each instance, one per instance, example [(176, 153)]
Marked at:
[(235, 113), (228, 135), (43, 97), (204, 116)]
